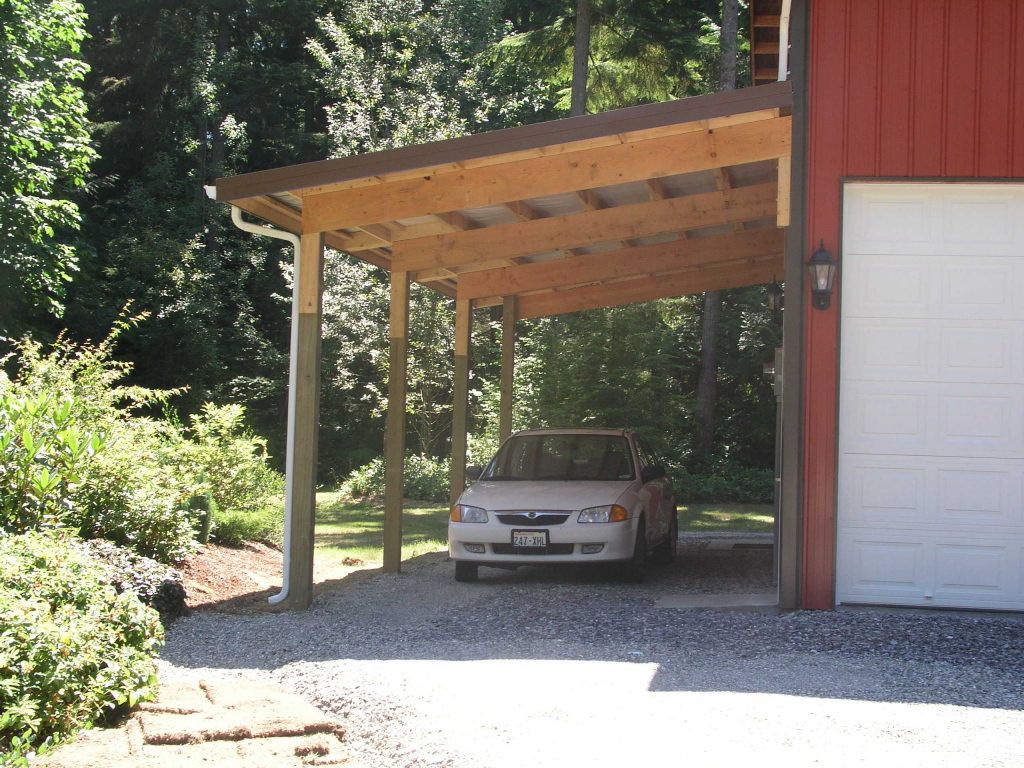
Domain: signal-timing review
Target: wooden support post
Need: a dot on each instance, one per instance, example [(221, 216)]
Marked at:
[(508, 362), (460, 405), (394, 430), (305, 413)]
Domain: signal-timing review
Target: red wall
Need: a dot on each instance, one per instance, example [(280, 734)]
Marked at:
[(908, 88)]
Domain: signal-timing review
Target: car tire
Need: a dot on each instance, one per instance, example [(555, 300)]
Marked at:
[(466, 572), (666, 551), (633, 569)]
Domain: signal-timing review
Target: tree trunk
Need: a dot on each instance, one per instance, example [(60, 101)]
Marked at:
[(581, 60), (704, 442), (728, 46)]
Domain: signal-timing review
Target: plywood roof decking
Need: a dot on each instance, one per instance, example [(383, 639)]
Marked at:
[(560, 193)]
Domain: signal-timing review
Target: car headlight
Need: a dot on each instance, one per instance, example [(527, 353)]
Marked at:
[(461, 513), (611, 513)]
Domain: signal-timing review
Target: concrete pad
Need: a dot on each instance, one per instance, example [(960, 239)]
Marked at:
[(720, 601)]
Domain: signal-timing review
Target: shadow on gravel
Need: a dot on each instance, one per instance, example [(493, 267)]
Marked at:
[(584, 614)]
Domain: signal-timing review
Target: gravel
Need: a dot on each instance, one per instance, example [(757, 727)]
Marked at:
[(543, 666)]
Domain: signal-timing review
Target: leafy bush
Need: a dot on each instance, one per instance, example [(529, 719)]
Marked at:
[(725, 482), (41, 452), (75, 451), (230, 460), (232, 528), (155, 584), (425, 479), (71, 648)]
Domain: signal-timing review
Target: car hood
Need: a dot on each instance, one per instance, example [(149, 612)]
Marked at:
[(543, 495)]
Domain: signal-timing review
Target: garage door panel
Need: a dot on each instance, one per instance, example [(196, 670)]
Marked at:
[(918, 492), (898, 349), (978, 218), (906, 568), (880, 568), (977, 289), (933, 219), (891, 285), (977, 496), (931, 417), (973, 570), (884, 491)]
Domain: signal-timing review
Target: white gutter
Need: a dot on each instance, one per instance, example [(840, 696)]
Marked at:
[(259, 229), (784, 40)]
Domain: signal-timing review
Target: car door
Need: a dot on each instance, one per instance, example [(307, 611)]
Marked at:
[(650, 493), (660, 494)]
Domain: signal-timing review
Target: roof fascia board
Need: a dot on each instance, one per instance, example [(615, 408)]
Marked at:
[(536, 136)]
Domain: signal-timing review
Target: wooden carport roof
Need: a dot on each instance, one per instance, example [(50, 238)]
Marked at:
[(623, 206), (626, 206)]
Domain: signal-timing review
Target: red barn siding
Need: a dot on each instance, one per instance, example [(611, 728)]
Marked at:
[(898, 88)]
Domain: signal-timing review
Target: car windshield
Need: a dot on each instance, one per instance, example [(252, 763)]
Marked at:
[(562, 457)]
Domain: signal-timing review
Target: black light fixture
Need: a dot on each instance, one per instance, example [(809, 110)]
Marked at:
[(776, 300), (822, 269)]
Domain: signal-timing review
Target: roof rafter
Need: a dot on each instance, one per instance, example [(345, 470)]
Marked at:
[(587, 228), (695, 280), (649, 260)]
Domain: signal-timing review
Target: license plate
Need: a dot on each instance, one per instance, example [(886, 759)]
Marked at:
[(528, 539)]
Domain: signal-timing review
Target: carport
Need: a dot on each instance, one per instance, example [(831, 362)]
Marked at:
[(627, 206)]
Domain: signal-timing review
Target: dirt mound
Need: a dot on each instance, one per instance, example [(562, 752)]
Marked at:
[(219, 575)]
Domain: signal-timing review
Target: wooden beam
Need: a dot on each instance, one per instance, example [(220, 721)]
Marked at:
[(549, 175), (748, 272), (394, 429), (723, 178), (785, 185), (508, 364), (304, 420), (644, 260), (460, 403), (623, 223), (656, 190)]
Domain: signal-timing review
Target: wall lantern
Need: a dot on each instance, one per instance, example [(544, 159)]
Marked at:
[(822, 269), (776, 300)]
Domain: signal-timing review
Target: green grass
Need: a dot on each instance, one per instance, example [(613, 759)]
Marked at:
[(355, 529), (709, 518)]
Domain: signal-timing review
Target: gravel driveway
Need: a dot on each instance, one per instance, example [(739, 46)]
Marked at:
[(546, 667)]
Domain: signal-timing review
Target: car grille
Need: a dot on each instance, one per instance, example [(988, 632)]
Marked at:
[(540, 518), (552, 549)]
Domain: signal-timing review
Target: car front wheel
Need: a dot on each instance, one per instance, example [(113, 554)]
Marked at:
[(666, 551), (634, 568)]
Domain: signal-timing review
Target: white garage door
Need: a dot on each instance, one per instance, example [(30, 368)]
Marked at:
[(931, 427)]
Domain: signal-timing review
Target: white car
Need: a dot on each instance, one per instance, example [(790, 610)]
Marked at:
[(565, 496)]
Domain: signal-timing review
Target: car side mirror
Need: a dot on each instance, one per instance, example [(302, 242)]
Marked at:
[(473, 473), (652, 472)]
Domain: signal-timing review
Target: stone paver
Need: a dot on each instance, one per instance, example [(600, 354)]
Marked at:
[(228, 723)]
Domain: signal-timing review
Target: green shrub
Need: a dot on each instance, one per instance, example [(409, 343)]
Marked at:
[(155, 584), (75, 451), (71, 649), (42, 449), (230, 460), (425, 479), (232, 528), (134, 495), (724, 482)]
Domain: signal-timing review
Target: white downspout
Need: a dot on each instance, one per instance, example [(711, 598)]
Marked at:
[(784, 40), (259, 229)]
